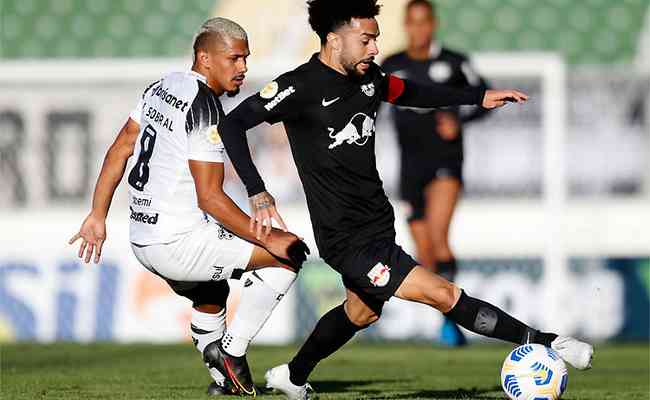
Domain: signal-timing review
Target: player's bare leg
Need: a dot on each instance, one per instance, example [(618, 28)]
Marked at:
[(483, 318), (423, 243), (332, 331), (442, 195), (261, 293)]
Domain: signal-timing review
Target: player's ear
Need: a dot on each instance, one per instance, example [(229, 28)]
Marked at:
[(203, 58), (334, 40)]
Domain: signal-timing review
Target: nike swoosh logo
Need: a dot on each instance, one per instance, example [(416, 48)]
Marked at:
[(327, 103)]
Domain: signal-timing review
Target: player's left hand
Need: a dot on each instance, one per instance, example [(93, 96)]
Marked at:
[(497, 98), (447, 125), (92, 234), (263, 212)]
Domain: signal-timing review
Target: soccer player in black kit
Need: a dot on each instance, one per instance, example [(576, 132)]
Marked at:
[(431, 142), (328, 106)]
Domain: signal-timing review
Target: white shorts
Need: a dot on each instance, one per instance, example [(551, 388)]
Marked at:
[(208, 253)]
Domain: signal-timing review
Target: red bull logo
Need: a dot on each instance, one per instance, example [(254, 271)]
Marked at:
[(358, 131), (379, 275)]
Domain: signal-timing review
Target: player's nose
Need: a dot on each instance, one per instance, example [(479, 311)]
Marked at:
[(242, 67), (373, 49)]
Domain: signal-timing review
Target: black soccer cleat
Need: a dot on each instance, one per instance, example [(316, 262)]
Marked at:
[(215, 389), (234, 369)]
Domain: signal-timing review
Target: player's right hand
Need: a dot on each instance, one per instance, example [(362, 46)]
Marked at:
[(498, 98), (287, 247), (92, 234), (263, 212)]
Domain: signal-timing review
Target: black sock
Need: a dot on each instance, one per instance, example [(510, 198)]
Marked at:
[(487, 320), (447, 269), (332, 331)]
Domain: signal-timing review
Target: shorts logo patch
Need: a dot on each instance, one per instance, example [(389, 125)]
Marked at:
[(224, 234), (269, 91), (379, 275)]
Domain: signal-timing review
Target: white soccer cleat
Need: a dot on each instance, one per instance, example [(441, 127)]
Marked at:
[(573, 351), (278, 378)]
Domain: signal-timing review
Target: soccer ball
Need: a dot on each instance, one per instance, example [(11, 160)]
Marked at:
[(534, 372)]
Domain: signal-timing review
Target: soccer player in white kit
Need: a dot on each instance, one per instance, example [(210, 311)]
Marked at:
[(175, 181)]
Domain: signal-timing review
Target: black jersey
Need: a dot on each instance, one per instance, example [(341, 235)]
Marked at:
[(330, 121), (416, 127)]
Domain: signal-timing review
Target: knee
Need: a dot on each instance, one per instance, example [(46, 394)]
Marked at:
[(444, 298), (363, 318)]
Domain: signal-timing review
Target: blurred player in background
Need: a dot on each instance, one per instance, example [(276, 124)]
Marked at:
[(175, 182), (431, 144), (328, 106)]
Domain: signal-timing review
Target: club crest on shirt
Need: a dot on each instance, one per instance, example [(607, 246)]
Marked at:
[(212, 134), (379, 275), (368, 90), (440, 71), (270, 90)]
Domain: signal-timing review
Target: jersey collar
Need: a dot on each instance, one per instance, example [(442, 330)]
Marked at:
[(199, 76)]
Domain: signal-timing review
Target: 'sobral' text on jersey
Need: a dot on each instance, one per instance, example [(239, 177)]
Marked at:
[(158, 118), (143, 217), (277, 99)]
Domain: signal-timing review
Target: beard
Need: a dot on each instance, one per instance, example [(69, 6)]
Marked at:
[(233, 93), (351, 68)]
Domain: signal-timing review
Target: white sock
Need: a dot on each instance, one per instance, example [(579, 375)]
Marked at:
[(262, 292), (205, 329)]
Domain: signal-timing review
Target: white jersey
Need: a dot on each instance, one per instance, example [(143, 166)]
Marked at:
[(178, 117)]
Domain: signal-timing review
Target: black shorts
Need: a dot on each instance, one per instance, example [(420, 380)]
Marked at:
[(375, 271), (414, 183)]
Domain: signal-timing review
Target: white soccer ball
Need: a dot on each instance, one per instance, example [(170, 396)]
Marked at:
[(534, 372)]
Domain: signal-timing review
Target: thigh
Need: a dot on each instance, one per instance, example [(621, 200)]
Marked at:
[(209, 253), (426, 287), (375, 271)]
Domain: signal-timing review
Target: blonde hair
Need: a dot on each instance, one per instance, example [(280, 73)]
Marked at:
[(217, 28)]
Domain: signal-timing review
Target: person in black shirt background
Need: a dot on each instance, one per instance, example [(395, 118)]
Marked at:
[(328, 107), (431, 142)]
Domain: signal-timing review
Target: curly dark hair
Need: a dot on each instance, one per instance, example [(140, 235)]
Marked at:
[(326, 16)]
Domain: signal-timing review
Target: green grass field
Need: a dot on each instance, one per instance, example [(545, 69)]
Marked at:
[(359, 371)]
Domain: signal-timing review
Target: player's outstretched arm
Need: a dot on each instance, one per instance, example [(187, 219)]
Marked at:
[(93, 230), (208, 180), (276, 101), (406, 93)]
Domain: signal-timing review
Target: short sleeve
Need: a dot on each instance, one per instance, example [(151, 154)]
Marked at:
[(136, 114), (202, 127), (204, 144)]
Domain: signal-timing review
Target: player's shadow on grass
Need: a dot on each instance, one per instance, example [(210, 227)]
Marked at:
[(357, 386)]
